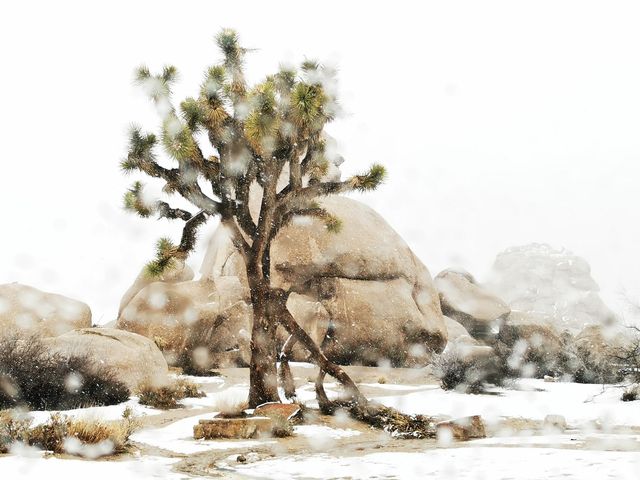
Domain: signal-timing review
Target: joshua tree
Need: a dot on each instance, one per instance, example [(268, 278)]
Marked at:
[(259, 134)]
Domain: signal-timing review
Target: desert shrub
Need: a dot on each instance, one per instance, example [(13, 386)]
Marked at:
[(527, 350), (560, 357), (628, 357), (281, 428), (34, 377), (596, 369), (231, 403), (167, 396), (14, 427), (467, 375), (631, 394), (62, 434)]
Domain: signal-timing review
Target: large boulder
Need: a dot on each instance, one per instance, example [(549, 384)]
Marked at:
[(176, 272), (535, 346), (470, 304), (463, 345), (30, 310), (198, 324), (379, 297), (549, 284), (133, 359)]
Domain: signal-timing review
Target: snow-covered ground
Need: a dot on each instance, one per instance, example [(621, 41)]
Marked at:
[(111, 412), (27, 465), (178, 437), (457, 464), (528, 398), (602, 440)]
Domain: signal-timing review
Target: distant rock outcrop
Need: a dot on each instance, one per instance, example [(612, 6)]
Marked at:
[(28, 310), (550, 286), (470, 304)]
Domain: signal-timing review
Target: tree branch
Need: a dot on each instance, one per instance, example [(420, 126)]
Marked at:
[(188, 240), (166, 211)]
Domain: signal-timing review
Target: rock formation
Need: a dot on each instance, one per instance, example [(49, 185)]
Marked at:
[(29, 310), (133, 359), (362, 291), (470, 304)]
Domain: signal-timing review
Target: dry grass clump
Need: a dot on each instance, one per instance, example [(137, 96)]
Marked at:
[(167, 396), (467, 375), (14, 427), (281, 428), (231, 403), (61, 434), (32, 376)]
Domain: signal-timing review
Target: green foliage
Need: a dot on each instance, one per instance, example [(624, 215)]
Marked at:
[(255, 130), (133, 201), (285, 79), (310, 65), (140, 148), (306, 105), (141, 74), (371, 180), (165, 253), (333, 224), (177, 139), (169, 74), (156, 86), (193, 113), (228, 42)]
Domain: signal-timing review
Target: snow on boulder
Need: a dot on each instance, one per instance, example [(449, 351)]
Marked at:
[(470, 304), (132, 358), (29, 310), (553, 285)]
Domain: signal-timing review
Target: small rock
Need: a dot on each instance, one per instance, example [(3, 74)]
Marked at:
[(555, 422), (464, 428), (241, 459), (277, 411), (252, 457), (549, 379)]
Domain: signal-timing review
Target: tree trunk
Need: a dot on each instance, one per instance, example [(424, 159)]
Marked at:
[(263, 376), (279, 299)]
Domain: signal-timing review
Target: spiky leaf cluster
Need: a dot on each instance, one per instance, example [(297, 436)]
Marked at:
[(166, 251), (134, 202), (258, 133)]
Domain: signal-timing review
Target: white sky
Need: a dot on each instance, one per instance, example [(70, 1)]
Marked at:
[(501, 123)]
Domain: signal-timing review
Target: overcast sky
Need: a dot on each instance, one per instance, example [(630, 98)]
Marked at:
[(501, 123)]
